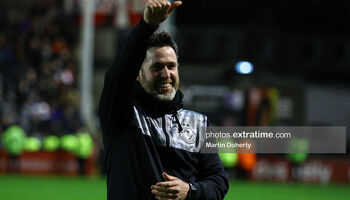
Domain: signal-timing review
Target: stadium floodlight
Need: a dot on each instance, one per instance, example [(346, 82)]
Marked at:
[(244, 67)]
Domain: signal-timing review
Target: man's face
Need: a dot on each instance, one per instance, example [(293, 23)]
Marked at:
[(159, 73)]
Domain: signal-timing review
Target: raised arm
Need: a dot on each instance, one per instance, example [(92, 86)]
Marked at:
[(117, 96)]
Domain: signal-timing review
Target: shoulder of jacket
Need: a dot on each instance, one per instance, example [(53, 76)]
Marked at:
[(192, 113)]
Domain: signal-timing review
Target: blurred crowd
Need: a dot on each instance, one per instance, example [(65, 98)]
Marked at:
[(38, 72)]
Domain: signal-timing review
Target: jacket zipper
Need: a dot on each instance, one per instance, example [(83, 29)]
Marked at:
[(167, 139)]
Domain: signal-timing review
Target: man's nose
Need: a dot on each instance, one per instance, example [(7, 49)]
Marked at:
[(165, 73)]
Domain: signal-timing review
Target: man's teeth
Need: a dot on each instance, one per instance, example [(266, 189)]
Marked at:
[(164, 85)]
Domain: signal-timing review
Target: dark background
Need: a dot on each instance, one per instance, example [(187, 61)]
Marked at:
[(307, 38)]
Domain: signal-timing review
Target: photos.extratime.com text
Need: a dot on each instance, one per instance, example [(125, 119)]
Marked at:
[(244, 134), (274, 139)]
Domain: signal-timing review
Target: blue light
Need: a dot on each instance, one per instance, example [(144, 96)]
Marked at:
[(244, 67)]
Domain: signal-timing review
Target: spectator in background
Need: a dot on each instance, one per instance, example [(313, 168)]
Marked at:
[(39, 74)]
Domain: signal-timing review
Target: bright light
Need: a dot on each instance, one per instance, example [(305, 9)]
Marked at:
[(244, 67)]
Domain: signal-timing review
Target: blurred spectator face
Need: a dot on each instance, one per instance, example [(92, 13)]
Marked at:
[(65, 54), (159, 73), (46, 49), (34, 44), (2, 40), (59, 45), (31, 75)]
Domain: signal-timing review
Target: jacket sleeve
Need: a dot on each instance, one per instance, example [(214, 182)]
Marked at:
[(116, 100), (212, 180)]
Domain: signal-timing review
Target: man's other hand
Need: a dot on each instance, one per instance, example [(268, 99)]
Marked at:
[(171, 188), (156, 11)]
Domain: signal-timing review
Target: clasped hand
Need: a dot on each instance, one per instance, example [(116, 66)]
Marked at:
[(171, 188)]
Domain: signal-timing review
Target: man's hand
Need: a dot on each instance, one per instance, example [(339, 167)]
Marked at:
[(157, 11), (172, 188)]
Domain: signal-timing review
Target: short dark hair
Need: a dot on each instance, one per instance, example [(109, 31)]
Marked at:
[(161, 39)]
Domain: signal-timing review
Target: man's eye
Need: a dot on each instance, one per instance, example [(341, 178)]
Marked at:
[(171, 66), (158, 66)]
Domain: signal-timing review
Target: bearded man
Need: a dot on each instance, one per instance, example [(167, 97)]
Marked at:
[(152, 145)]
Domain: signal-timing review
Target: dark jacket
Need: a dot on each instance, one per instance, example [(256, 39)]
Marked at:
[(144, 137)]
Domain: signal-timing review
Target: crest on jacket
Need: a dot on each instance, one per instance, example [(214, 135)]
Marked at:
[(188, 135)]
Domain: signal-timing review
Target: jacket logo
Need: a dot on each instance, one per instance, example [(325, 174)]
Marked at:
[(188, 136)]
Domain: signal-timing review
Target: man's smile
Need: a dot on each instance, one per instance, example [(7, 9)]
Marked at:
[(164, 87)]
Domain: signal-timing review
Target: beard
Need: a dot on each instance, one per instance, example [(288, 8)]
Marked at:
[(166, 97), (150, 89)]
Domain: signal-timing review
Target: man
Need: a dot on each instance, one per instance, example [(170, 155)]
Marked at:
[(152, 145)]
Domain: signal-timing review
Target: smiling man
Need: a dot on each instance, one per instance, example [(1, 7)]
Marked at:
[(159, 72), (152, 145)]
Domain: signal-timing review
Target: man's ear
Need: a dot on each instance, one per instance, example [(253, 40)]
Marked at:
[(138, 76)]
